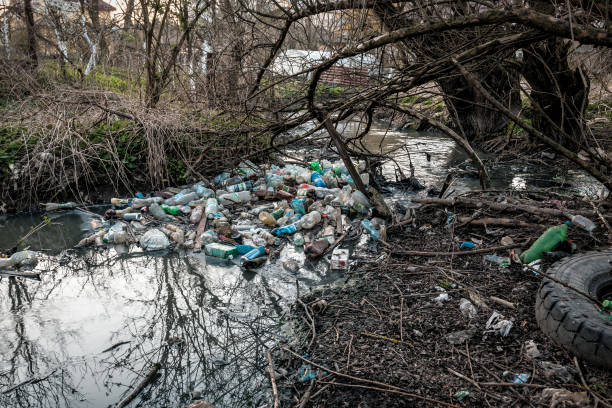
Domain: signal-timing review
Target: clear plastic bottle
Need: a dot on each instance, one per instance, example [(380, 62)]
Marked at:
[(582, 222), (212, 207), (239, 197), (298, 239), (310, 220), (196, 215)]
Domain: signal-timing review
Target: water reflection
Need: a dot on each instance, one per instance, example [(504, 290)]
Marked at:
[(206, 324)]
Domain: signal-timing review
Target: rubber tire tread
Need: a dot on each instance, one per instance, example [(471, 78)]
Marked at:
[(570, 319)]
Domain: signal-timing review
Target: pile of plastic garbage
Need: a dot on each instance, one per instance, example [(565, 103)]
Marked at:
[(243, 213)]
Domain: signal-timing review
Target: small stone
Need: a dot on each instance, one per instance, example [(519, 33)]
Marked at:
[(506, 241)]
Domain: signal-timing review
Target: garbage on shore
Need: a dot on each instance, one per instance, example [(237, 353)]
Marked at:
[(244, 213)]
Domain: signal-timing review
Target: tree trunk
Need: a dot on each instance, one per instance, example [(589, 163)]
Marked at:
[(560, 93), (472, 114), (127, 18), (31, 49)]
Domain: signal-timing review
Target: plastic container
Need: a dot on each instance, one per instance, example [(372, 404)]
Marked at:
[(157, 212), (274, 180), (267, 219), (231, 181), (62, 206), (143, 202), (298, 205), (220, 250), (310, 220), (547, 241), (315, 166), (196, 215), (120, 201), (286, 230), (212, 207), (239, 187), (209, 236), (21, 258), (240, 197), (254, 253), (170, 209), (298, 239), (115, 235), (278, 213), (339, 259), (367, 225), (204, 192), (244, 249), (582, 222), (132, 217), (223, 176)]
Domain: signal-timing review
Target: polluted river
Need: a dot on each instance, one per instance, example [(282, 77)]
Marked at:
[(100, 318)]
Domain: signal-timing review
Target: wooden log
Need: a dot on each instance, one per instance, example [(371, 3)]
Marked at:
[(141, 386), (197, 246)]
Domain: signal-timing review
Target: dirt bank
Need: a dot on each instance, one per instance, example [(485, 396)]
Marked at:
[(390, 344)]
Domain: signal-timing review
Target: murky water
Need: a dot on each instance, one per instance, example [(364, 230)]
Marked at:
[(99, 320)]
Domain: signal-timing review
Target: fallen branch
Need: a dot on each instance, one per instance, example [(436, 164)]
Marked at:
[(470, 202), (197, 246), (141, 386), (376, 336), (459, 253), (272, 379), (502, 302), (506, 222)]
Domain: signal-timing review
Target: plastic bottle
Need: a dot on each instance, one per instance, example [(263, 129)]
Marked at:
[(120, 201), (267, 219), (232, 180), (547, 241), (62, 206), (204, 192), (244, 249), (310, 220), (240, 197), (212, 207), (367, 225), (278, 213), (20, 258), (181, 198), (223, 176), (132, 217), (209, 236), (298, 239), (170, 209), (583, 222), (274, 180), (286, 230), (298, 205), (239, 187), (143, 202), (254, 253), (315, 166), (196, 215), (156, 211)]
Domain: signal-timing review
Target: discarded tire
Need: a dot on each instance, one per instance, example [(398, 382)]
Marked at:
[(570, 319)]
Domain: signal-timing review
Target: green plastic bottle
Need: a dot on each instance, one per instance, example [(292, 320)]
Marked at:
[(547, 241), (170, 209), (315, 166)]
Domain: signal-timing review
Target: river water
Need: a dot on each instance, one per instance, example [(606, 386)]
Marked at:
[(99, 319)]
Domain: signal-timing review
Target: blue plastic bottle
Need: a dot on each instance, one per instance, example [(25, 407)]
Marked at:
[(317, 180), (244, 249), (286, 230), (255, 253), (370, 228), (298, 205)]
